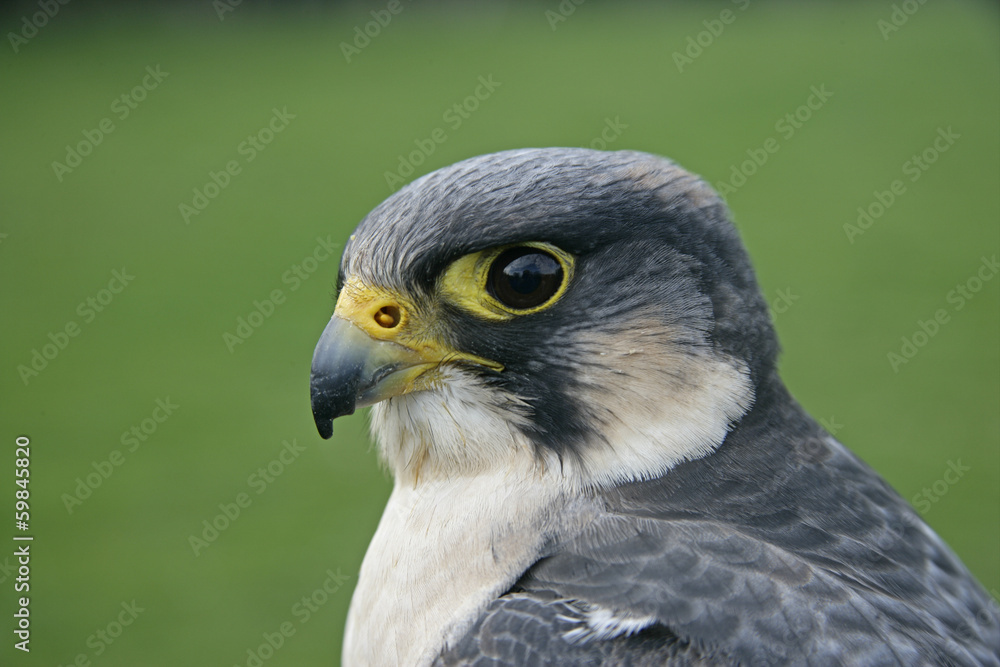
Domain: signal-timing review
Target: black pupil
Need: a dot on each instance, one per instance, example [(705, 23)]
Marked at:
[(525, 277)]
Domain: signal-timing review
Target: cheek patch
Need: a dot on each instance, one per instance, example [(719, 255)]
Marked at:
[(650, 403)]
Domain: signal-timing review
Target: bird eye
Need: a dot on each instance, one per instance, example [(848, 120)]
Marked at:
[(524, 278)]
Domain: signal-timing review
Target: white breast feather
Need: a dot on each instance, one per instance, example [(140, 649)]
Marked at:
[(473, 500), (452, 538)]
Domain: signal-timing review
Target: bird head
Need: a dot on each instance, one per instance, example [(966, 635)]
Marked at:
[(594, 310)]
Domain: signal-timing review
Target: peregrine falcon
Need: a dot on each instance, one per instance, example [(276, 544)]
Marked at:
[(573, 381)]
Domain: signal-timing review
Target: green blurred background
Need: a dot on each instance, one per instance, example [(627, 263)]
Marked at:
[(841, 304)]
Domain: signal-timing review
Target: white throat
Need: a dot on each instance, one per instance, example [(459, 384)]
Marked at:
[(446, 546), (473, 500)]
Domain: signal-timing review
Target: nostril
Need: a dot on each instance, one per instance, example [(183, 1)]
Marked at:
[(388, 317)]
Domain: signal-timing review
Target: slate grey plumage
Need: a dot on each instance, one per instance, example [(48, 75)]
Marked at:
[(745, 560), (744, 536)]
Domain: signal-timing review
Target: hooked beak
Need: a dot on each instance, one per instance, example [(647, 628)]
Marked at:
[(372, 349), (351, 370)]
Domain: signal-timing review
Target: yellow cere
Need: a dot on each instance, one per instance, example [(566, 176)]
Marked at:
[(366, 307), (387, 316)]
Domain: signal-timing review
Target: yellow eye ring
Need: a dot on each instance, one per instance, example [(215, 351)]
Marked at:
[(466, 282)]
